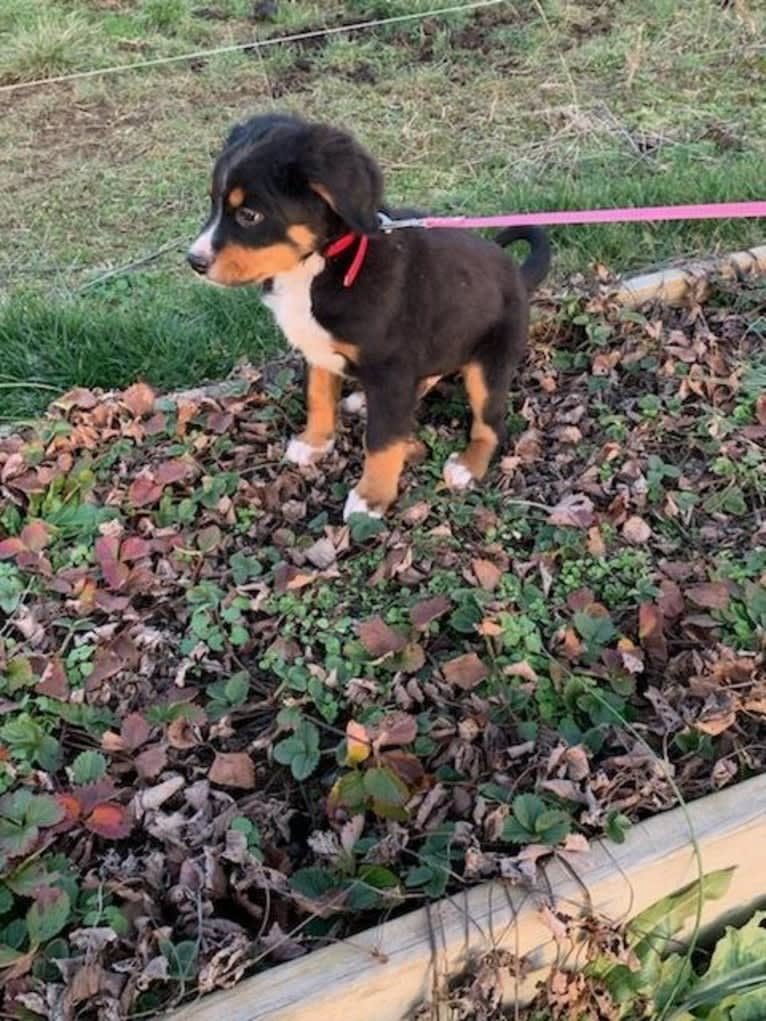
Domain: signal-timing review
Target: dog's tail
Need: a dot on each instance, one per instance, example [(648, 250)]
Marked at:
[(535, 267)]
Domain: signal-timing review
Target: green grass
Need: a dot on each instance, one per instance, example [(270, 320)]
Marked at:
[(525, 106)]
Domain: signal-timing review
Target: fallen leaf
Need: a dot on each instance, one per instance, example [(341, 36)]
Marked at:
[(424, 612), (521, 669), (636, 530), (358, 743), (172, 471), (395, 728), (596, 544), (139, 399), (379, 639), (321, 554), (574, 511), (233, 769), (465, 671), (151, 762), (54, 682), (36, 535), (487, 574), (713, 595), (144, 491), (109, 820)]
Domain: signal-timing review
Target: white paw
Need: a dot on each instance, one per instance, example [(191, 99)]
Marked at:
[(302, 453), (456, 475), (356, 504), (355, 403)]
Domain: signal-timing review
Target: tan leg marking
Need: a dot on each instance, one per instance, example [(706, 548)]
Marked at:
[(484, 440), (322, 396), (379, 484)]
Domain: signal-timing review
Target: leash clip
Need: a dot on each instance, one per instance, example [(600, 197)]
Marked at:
[(387, 224)]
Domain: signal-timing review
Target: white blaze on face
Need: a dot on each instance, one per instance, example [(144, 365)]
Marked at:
[(203, 246)]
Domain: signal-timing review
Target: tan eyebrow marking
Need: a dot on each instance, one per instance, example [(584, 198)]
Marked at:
[(236, 197)]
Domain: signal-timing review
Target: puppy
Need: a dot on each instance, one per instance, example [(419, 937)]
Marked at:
[(295, 208)]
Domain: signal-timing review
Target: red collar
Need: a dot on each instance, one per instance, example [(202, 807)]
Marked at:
[(344, 242)]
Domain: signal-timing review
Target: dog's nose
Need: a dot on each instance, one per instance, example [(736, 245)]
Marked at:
[(199, 263)]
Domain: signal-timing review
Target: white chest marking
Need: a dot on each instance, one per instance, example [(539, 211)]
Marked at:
[(290, 304)]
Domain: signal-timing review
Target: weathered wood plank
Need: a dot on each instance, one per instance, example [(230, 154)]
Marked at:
[(382, 973), (671, 286)]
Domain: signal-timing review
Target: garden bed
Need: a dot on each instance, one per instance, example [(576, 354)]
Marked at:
[(235, 729)]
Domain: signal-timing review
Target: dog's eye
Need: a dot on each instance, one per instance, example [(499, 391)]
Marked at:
[(247, 217)]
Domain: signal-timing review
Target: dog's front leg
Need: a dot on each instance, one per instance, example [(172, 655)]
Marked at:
[(390, 418), (322, 393)]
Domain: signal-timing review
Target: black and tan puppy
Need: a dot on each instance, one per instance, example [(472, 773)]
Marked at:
[(295, 209)]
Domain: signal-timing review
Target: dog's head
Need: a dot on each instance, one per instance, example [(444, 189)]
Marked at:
[(281, 189)]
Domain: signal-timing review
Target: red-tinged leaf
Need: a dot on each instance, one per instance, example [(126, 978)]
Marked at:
[(11, 547), (650, 620), (465, 671), (72, 809), (139, 399), (580, 599), (134, 731), (172, 471), (487, 574), (155, 425), (395, 728), (144, 491), (114, 571), (358, 743), (107, 547), (110, 603), (574, 511), (636, 530), (379, 639), (407, 766), (35, 535), (670, 600), (233, 769), (79, 397), (712, 595), (92, 794), (110, 821), (220, 421), (151, 761), (424, 612), (54, 682), (134, 548)]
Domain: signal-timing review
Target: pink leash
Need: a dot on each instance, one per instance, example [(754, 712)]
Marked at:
[(709, 211)]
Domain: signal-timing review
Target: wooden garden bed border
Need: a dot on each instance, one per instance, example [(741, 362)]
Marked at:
[(383, 973)]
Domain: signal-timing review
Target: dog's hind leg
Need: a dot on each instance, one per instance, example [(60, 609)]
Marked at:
[(487, 377)]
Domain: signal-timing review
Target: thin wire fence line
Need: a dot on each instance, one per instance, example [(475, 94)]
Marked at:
[(256, 44)]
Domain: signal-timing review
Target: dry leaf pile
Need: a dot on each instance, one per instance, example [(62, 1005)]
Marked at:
[(233, 727)]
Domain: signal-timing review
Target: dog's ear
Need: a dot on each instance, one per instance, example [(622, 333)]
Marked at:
[(349, 180)]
